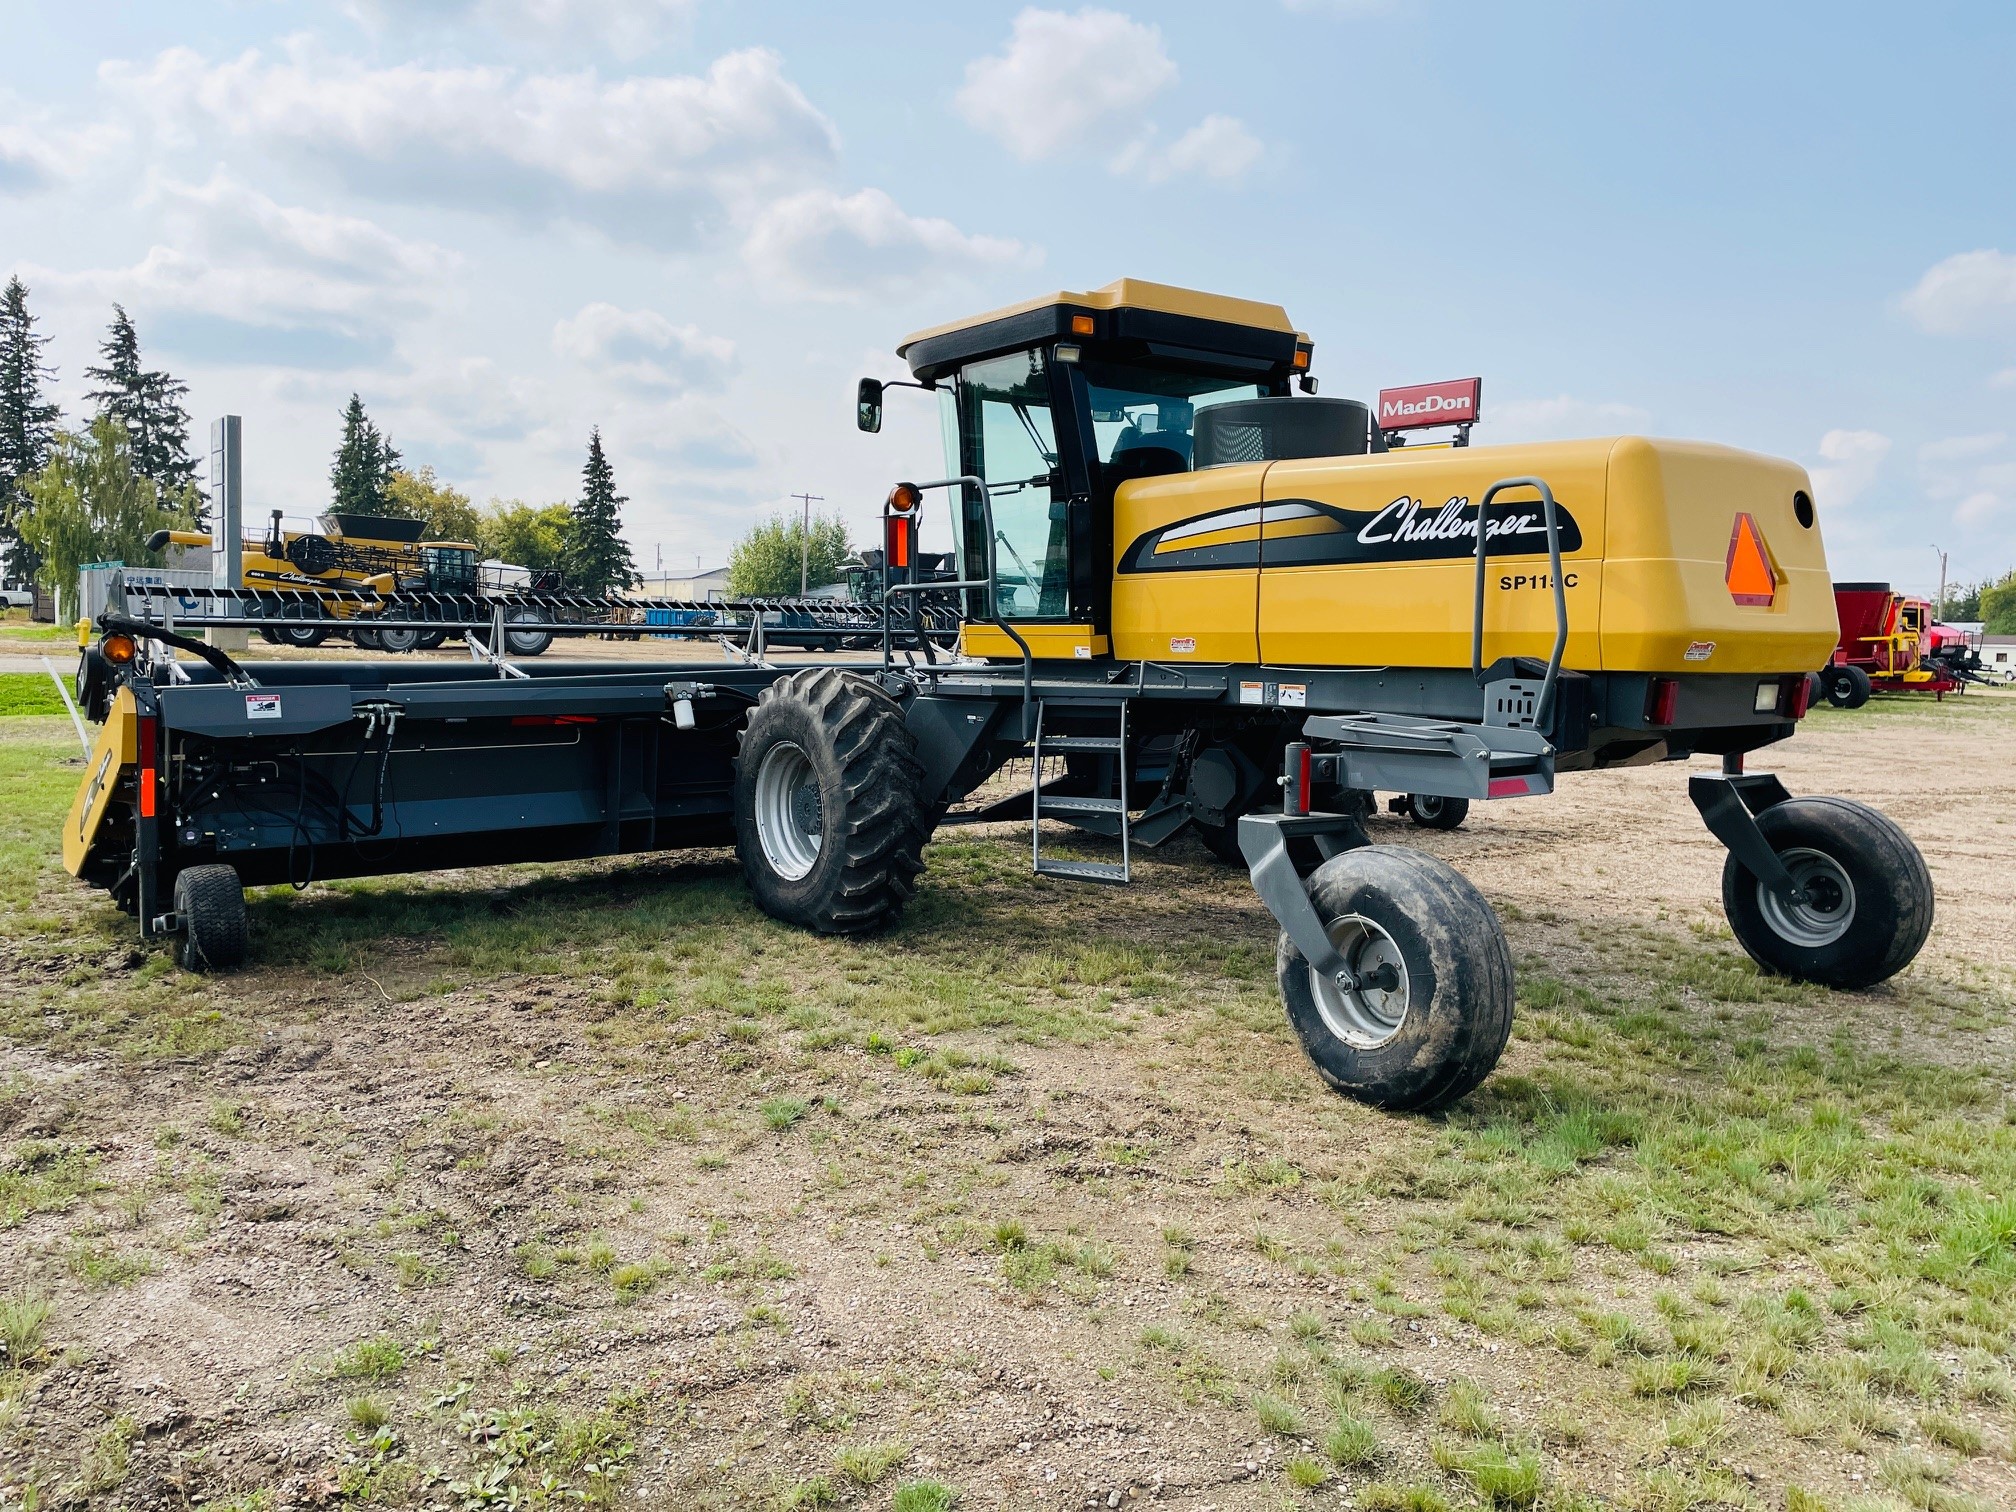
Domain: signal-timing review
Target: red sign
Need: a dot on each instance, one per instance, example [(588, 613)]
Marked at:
[(1452, 403)]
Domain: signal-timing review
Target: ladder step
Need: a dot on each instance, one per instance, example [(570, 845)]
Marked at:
[(1082, 871), (1080, 743), (1045, 804)]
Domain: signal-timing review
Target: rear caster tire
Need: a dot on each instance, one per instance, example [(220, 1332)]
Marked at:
[(1437, 1009), (830, 820), (211, 905), (1870, 903), (1437, 813)]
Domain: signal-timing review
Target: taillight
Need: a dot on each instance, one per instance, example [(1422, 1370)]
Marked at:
[(1662, 701), (899, 536), (1798, 695)]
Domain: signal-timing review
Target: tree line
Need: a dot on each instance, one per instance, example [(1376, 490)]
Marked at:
[(73, 496)]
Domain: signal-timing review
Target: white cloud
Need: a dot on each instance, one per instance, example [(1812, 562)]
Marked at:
[(626, 27), (644, 349), (829, 246), (1964, 292), (2004, 379), (658, 158), (324, 289), (37, 154), (1060, 75), (1563, 417), (1961, 448), (1219, 148), (1851, 459), (1980, 508)]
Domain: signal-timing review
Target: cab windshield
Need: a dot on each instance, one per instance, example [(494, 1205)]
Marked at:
[(1135, 407)]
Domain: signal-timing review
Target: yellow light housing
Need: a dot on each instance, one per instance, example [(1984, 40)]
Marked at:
[(904, 498), (1302, 359), (118, 649), (1082, 325)]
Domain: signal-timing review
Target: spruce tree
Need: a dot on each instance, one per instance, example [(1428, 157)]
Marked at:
[(27, 423), (361, 477), (598, 557), (148, 405)]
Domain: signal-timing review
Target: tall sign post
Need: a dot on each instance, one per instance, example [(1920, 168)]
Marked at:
[(227, 520)]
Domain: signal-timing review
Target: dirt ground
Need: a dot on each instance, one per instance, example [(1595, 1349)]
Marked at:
[(585, 1184)]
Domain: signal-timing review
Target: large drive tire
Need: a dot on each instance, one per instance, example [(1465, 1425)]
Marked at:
[(1438, 1020), (830, 817), (307, 637), (430, 640), (211, 905), (365, 640), (1847, 687), (1870, 907), (1437, 813), (397, 640)]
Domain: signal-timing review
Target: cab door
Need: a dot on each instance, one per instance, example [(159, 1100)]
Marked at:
[(1186, 571)]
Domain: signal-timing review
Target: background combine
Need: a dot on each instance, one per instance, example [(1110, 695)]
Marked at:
[(1187, 595)]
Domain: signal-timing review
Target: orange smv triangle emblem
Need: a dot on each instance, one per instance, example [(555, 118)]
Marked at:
[(1748, 570)]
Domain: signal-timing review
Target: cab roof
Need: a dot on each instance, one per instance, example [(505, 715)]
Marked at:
[(1127, 313)]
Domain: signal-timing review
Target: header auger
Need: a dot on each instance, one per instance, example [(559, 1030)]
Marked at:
[(1194, 599)]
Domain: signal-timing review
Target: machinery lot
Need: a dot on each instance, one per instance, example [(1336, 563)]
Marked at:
[(593, 1180)]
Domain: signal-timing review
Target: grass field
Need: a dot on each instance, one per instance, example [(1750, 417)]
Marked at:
[(590, 1184), (28, 693)]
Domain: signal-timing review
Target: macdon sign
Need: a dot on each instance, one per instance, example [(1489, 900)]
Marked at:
[(1451, 403)]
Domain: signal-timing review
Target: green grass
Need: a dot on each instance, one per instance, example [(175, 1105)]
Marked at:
[(924, 1496), (29, 693)]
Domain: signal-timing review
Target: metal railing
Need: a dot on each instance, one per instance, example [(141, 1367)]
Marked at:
[(1545, 705)]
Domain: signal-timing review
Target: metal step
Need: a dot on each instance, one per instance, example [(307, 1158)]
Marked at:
[(1045, 804), (1082, 871), (1080, 743)]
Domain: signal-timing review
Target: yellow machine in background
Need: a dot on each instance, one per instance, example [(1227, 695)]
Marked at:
[(351, 570)]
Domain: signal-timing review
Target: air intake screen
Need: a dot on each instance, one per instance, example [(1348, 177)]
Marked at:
[(1279, 430)]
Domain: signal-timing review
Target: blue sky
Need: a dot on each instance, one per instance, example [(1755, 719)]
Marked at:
[(1787, 227)]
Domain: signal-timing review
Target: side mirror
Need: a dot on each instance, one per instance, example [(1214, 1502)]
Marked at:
[(868, 404)]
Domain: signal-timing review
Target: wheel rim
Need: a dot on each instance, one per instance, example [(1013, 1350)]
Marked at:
[(1369, 1015), (1427, 805), (790, 819), (1830, 901), (398, 640)]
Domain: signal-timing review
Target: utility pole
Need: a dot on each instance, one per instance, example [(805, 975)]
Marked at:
[(1940, 612), (805, 542)]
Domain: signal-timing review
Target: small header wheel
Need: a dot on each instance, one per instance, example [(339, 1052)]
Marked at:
[(210, 902), (1866, 897), (1847, 687), (1428, 1010), (1432, 811)]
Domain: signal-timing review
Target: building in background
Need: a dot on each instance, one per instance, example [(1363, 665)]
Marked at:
[(692, 587)]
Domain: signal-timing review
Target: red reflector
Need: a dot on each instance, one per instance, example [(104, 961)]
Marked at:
[(899, 532), (150, 777), (1798, 695), (527, 721), (1509, 787), (1302, 764), (1662, 702)]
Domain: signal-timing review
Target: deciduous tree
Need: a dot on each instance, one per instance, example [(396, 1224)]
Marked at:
[(422, 496), (89, 505), (765, 562), (528, 535)]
